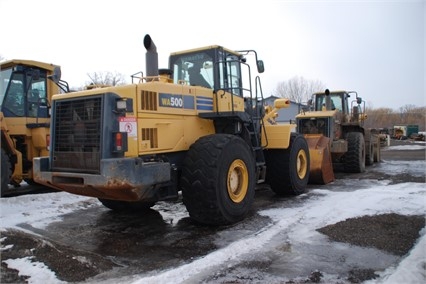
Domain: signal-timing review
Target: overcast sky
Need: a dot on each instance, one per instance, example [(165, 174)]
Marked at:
[(376, 48)]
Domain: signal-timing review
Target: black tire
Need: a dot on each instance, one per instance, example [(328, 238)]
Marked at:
[(6, 172), (377, 157), (126, 206), (354, 159), (369, 155), (218, 179), (287, 171)]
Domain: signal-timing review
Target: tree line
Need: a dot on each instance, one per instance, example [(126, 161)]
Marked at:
[(386, 118)]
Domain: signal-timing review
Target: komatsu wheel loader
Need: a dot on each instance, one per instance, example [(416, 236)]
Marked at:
[(25, 94), (197, 128), (334, 129)]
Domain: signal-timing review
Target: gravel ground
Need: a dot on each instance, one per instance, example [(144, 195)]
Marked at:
[(389, 232), (393, 233)]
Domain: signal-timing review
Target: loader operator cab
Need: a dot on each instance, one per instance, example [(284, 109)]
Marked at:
[(213, 67), (23, 92), (330, 110), (338, 101)]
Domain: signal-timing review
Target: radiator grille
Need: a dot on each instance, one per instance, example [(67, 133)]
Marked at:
[(150, 134), (148, 100), (77, 135)]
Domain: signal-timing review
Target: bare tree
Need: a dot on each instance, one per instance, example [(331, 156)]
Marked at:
[(388, 118), (380, 117), (298, 89), (106, 78)]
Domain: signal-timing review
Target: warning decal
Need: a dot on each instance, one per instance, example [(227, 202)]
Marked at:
[(128, 124)]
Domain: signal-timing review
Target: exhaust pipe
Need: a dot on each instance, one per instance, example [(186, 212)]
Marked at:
[(151, 57), (327, 100)]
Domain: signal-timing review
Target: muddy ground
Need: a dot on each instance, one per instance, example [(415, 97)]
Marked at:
[(391, 233)]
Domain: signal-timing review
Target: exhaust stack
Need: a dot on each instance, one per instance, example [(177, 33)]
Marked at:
[(327, 100), (151, 57)]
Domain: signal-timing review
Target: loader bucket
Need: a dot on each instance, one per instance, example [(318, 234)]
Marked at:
[(320, 159)]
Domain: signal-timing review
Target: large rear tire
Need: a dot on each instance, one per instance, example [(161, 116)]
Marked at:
[(354, 159), (218, 179), (287, 170), (6, 172)]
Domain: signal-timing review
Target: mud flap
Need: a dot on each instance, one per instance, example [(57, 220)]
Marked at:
[(320, 159)]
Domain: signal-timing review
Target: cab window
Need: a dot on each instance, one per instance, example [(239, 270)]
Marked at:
[(194, 69), (37, 97), (4, 82), (14, 98), (230, 75), (335, 99), (336, 102)]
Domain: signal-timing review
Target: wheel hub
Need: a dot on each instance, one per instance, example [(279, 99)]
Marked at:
[(302, 164), (237, 181)]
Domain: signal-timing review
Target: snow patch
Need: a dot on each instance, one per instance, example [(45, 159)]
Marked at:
[(38, 272)]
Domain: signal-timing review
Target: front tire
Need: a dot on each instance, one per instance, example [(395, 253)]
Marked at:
[(218, 179), (287, 170), (354, 159)]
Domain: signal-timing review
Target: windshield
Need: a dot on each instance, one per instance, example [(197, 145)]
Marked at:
[(14, 99), (336, 102), (4, 81), (195, 69), (213, 68)]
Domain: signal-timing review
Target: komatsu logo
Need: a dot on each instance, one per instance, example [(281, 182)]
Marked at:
[(176, 101)]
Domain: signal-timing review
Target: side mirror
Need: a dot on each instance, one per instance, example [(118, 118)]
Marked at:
[(56, 77), (260, 66), (359, 100)]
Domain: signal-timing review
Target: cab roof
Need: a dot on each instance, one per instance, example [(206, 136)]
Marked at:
[(331, 92), (31, 63), (205, 48)]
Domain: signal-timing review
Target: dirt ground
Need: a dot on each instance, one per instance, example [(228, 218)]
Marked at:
[(392, 233)]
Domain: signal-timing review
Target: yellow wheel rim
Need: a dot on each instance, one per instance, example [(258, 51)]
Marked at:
[(237, 181), (302, 164)]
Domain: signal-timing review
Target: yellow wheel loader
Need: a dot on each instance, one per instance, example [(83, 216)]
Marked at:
[(25, 94), (197, 128), (337, 139)]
